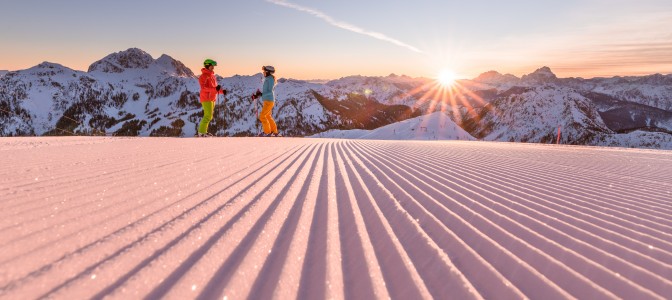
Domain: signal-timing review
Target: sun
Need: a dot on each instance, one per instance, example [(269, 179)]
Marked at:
[(446, 77)]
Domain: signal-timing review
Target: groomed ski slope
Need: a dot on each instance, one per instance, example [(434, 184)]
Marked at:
[(232, 218)]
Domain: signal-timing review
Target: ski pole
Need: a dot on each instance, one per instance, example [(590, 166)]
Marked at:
[(256, 115)]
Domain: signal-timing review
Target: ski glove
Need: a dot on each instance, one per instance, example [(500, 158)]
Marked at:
[(219, 87), (257, 94), (224, 92)]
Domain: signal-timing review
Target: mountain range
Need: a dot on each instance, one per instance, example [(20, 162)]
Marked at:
[(130, 93)]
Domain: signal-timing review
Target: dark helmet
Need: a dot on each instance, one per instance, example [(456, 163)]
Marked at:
[(269, 69)]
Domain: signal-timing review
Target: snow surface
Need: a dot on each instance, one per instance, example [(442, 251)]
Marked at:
[(234, 218), (434, 126)]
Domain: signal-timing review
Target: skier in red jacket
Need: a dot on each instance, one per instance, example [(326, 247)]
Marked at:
[(209, 91)]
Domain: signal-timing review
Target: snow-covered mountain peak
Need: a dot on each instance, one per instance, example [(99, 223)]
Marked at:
[(48, 69), (541, 75), (545, 71), (48, 65), (494, 77), (173, 66), (118, 62)]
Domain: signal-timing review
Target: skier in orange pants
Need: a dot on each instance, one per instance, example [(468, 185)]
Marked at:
[(268, 98)]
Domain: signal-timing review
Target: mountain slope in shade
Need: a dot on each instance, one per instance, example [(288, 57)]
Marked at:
[(534, 115), (287, 218), (434, 126), (636, 139), (624, 116)]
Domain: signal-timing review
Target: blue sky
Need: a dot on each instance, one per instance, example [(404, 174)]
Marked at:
[(575, 38)]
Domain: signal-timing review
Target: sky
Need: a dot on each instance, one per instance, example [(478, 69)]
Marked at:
[(322, 39)]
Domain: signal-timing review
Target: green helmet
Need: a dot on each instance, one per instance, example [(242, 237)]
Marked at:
[(209, 62)]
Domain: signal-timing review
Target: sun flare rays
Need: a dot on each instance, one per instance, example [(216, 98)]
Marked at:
[(449, 95)]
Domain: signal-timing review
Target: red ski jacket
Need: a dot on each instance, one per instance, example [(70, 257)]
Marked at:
[(208, 84)]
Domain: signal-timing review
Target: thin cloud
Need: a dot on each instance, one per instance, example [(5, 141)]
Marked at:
[(344, 25)]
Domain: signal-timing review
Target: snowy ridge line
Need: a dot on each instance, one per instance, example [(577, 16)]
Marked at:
[(541, 230), (327, 218)]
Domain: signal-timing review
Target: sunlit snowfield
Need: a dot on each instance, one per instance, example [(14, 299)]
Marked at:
[(181, 218)]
